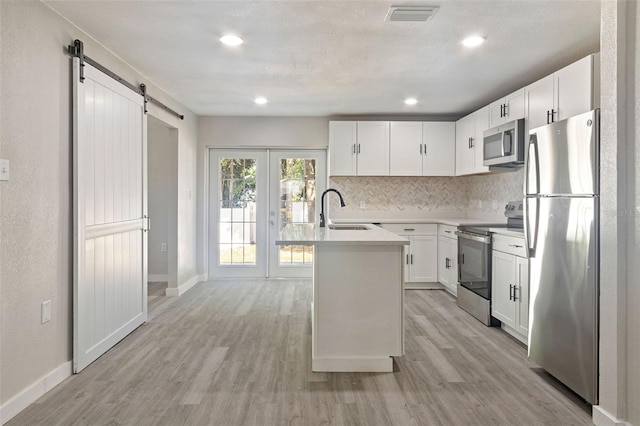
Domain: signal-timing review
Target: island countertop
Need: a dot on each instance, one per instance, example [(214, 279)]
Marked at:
[(310, 235)]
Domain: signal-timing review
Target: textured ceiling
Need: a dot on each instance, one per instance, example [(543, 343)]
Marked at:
[(339, 57)]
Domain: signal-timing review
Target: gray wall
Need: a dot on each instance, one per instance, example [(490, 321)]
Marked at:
[(36, 214), (163, 200), (620, 219)]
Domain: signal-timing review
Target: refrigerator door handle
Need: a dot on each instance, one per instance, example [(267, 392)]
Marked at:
[(533, 148), (531, 237)]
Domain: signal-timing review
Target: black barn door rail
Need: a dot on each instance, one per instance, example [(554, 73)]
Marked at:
[(77, 50)]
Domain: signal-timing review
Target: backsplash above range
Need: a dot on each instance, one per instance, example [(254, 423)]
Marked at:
[(426, 196)]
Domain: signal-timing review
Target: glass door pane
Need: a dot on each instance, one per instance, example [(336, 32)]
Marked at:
[(237, 200), (297, 181)]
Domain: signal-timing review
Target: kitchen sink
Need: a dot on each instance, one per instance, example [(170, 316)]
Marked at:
[(349, 227)]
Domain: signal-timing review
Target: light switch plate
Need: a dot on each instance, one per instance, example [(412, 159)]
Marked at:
[(45, 312), (4, 169)]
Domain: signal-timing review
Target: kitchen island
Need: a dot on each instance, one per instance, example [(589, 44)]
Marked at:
[(357, 313)]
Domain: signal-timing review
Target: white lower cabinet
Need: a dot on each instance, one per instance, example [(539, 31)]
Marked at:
[(421, 255), (447, 258), (510, 285)]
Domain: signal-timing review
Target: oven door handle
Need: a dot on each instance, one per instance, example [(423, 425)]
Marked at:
[(484, 239)]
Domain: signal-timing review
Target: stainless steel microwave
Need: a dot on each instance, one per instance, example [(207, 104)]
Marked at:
[(504, 145)]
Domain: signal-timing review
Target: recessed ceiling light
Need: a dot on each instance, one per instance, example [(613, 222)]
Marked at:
[(231, 40), (260, 100), (411, 101), (473, 41)]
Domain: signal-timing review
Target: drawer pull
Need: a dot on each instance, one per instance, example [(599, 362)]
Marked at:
[(409, 229), (515, 245), (448, 232)]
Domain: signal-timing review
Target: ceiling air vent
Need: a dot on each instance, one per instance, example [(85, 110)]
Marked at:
[(411, 13)]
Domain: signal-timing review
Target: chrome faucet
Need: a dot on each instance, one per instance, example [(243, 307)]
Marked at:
[(322, 223)]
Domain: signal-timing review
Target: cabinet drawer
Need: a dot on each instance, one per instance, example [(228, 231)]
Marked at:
[(411, 228), (511, 245), (448, 231)]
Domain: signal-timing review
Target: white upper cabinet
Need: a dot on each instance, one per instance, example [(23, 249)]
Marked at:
[(359, 148), (422, 148), (563, 94), (373, 148), (507, 109), (439, 155), (406, 148), (396, 148), (469, 147), (342, 148)]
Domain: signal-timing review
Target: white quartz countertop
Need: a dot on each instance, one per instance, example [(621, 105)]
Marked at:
[(508, 231), (310, 235), (438, 220)]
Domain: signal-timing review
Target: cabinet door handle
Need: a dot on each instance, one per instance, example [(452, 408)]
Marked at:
[(420, 149), (471, 141), (501, 110), (553, 111), (354, 148), (514, 293), (411, 257), (358, 148), (548, 119), (510, 292), (425, 149), (407, 261), (506, 110)]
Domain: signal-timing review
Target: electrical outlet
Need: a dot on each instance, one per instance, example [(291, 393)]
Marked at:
[(163, 247), (363, 205), (4, 169), (45, 312)]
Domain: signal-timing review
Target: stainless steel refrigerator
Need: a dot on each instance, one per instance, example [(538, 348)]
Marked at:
[(561, 231)]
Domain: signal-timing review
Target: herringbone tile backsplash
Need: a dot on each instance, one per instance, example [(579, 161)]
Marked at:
[(424, 195)]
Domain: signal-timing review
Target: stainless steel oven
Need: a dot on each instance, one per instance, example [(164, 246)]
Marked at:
[(474, 272)]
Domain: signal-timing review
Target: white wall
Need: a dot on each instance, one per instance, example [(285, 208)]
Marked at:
[(36, 214), (163, 200)]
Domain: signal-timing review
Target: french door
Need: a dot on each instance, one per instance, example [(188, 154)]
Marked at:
[(253, 196), (297, 180)]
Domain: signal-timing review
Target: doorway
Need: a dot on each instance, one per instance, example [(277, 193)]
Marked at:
[(253, 196), (162, 153)]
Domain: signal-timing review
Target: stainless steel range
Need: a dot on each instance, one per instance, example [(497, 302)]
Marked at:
[(474, 264)]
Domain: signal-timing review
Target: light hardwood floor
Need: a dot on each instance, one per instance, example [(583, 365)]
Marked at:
[(238, 353)]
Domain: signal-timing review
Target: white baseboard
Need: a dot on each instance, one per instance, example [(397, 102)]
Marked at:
[(155, 278), (601, 417), (9, 409), (381, 364), (185, 286)]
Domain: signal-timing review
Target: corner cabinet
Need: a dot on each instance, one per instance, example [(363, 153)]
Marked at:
[(421, 255), (570, 91), (469, 147), (359, 148), (510, 285), (448, 258)]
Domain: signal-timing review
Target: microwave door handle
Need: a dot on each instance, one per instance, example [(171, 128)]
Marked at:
[(506, 144)]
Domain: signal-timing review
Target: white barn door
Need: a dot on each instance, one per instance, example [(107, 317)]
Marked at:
[(110, 214)]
